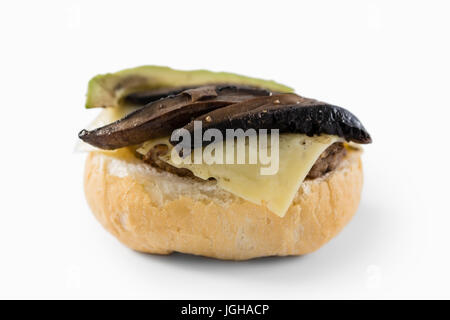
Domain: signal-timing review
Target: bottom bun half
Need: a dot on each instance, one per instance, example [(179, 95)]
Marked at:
[(158, 212)]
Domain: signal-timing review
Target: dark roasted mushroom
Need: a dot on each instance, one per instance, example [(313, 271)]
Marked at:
[(160, 118), (144, 97), (286, 112)]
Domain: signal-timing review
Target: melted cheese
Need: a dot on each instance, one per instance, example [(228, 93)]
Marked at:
[(297, 155)]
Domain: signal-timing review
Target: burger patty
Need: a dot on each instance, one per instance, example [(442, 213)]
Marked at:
[(152, 158), (328, 161)]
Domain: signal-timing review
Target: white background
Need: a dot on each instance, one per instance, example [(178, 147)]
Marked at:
[(386, 61)]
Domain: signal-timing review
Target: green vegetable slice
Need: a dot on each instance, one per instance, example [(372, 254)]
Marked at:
[(109, 90)]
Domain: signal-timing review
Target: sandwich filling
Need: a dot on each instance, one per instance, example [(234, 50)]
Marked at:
[(313, 136), (300, 157)]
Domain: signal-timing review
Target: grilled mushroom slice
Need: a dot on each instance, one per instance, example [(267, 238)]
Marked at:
[(142, 98), (160, 118), (288, 113)]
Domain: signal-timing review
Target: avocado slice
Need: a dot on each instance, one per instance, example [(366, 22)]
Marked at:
[(110, 90)]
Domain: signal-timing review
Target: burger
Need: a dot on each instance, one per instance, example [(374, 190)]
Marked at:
[(218, 164)]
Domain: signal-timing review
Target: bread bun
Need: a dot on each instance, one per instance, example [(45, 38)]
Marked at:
[(158, 212)]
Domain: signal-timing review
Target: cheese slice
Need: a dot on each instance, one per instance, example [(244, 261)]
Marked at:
[(297, 155)]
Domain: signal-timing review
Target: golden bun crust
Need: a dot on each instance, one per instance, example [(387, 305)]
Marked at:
[(158, 212)]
